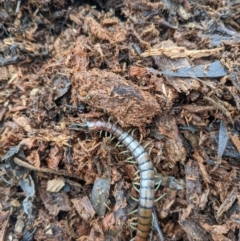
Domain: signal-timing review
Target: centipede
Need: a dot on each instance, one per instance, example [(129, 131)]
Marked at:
[(147, 181)]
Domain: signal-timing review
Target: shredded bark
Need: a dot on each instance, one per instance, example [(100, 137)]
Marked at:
[(165, 71)]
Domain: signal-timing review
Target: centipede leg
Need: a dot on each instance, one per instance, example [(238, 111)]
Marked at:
[(132, 133), (130, 130), (136, 173), (113, 137), (110, 136), (136, 188), (124, 152), (133, 226), (156, 200), (136, 178), (147, 144), (158, 185), (136, 183), (150, 150), (134, 211), (133, 198), (109, 119), (118, 144), (129, 160)]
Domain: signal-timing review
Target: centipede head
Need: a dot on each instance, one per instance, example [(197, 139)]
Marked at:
[(87, 125), (79, 126)]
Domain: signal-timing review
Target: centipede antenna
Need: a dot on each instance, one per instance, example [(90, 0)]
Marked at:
[(133, 198), (158, 185), (134, 211), (77, 126), (156, 200)]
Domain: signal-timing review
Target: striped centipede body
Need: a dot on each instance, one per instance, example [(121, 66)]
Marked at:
[(147, 182)]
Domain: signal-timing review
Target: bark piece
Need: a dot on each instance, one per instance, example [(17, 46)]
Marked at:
[(114, 95)]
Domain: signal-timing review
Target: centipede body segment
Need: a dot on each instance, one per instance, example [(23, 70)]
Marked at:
[(147, 182)]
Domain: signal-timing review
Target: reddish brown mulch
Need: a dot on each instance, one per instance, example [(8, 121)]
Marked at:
[(167, 70)]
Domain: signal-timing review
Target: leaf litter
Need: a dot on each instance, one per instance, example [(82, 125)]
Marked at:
[(167, 71)]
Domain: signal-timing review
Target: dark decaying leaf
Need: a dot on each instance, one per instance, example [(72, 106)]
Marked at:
[(120, 210), (12, 173), (217, 39), (28, 186), (54, 202), (113, 222), (28, 235), (100, 194), (12, 152), (222, 139), (212, 70)]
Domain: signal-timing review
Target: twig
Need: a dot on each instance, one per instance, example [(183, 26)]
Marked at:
[(43, 169)]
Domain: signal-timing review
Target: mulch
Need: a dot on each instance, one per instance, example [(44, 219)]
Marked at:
[(166, 71)]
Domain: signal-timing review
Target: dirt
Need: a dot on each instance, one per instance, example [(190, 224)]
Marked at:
[(166, 71)]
